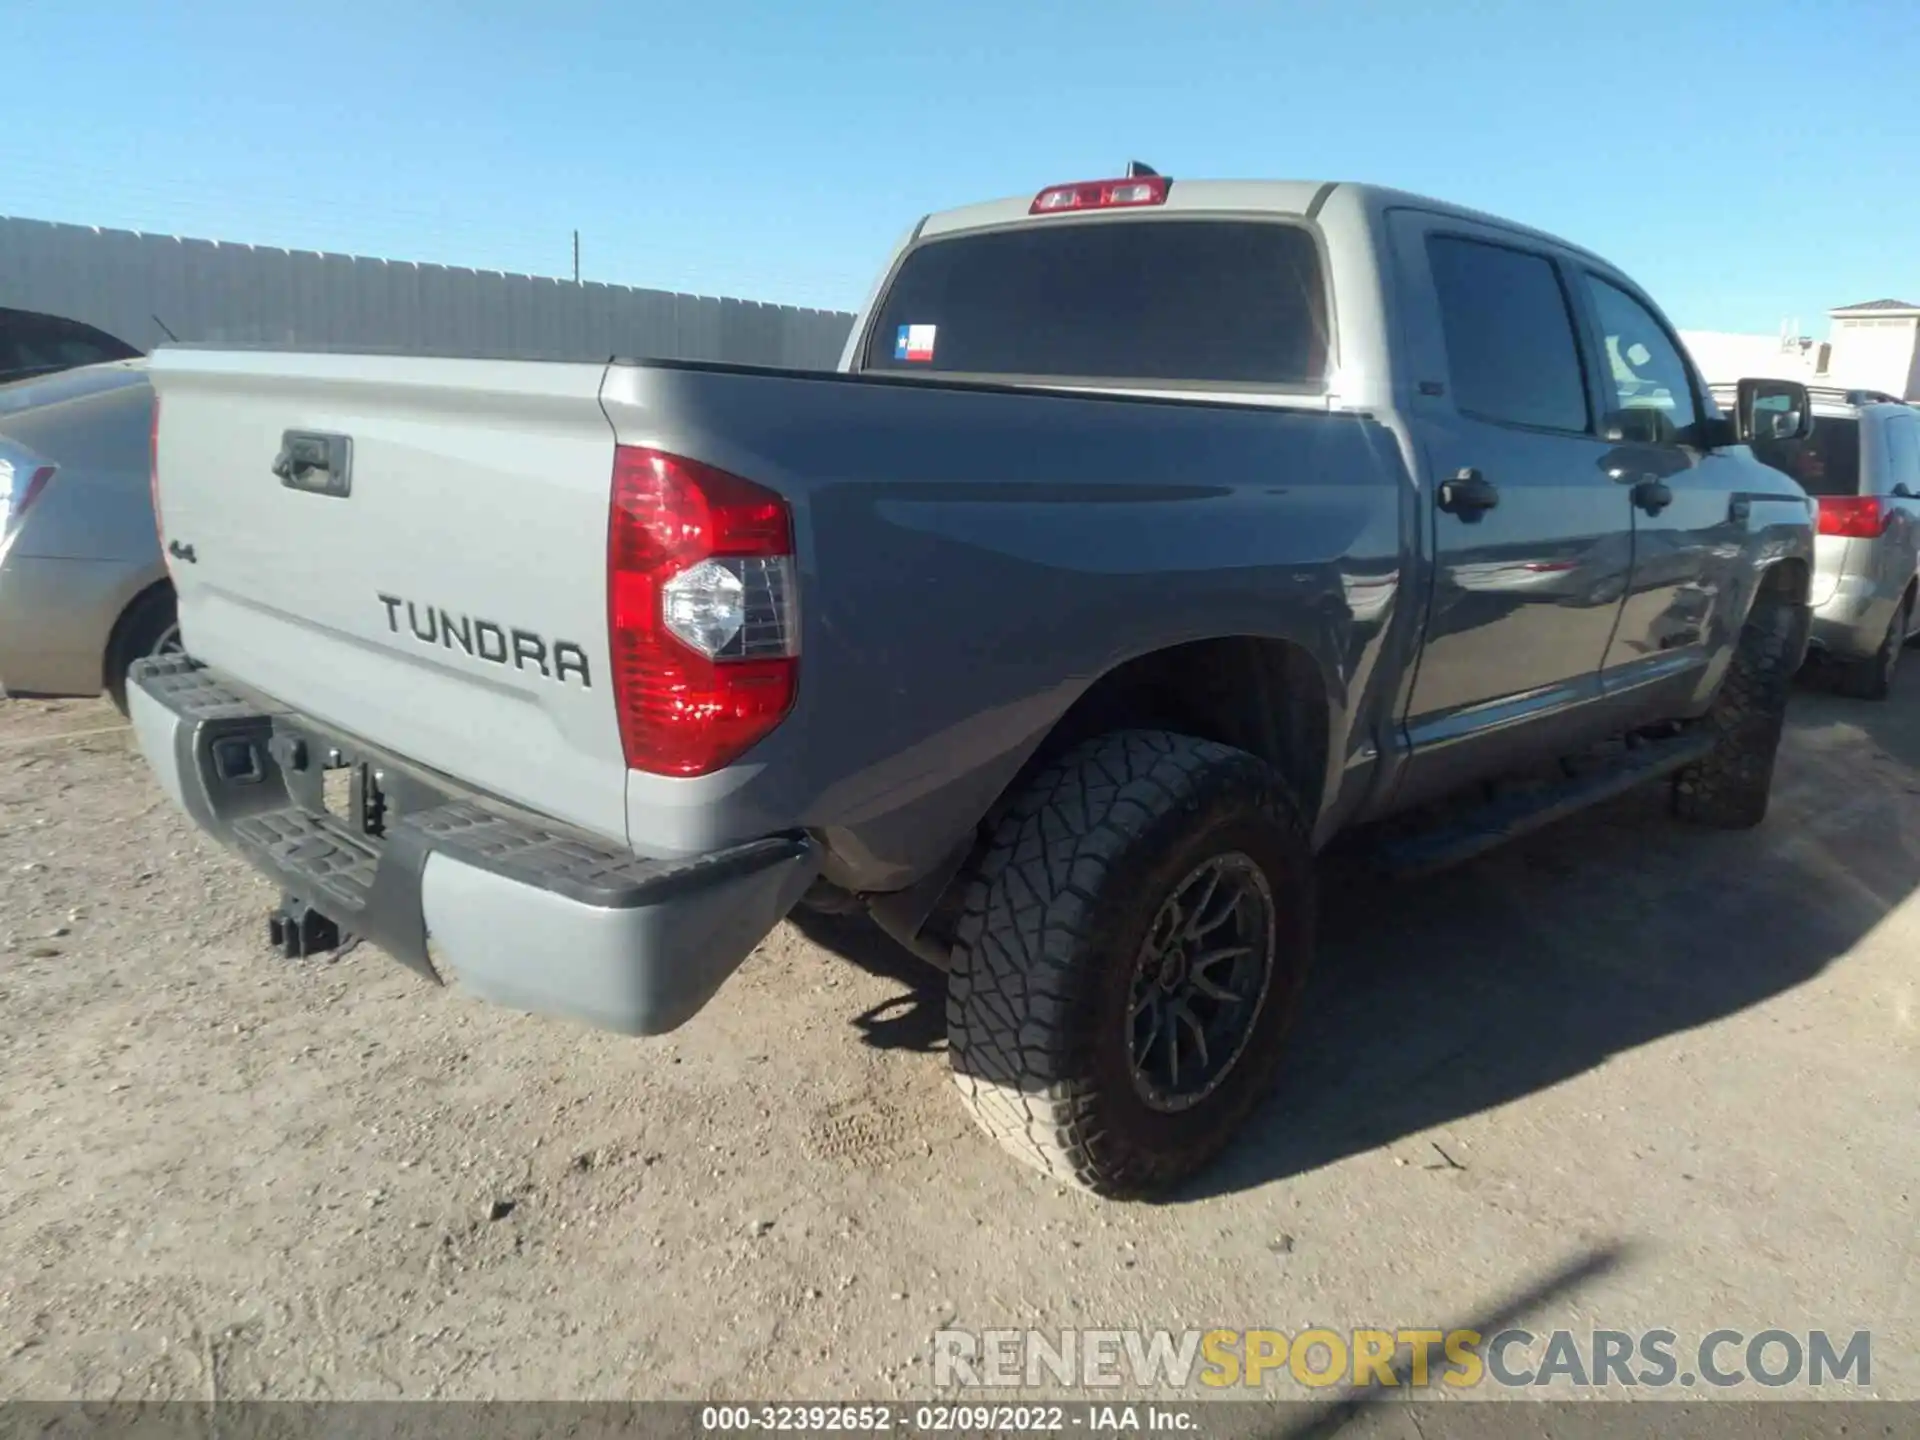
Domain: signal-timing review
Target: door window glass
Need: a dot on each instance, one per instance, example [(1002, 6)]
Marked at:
[(1511, 349), (1651, 389)]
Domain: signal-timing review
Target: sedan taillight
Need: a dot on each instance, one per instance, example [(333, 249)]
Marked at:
[(18, 491)]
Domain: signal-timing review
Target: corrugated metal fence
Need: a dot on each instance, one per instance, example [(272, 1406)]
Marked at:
[(121, 281)]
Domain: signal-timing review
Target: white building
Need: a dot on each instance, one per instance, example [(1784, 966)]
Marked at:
[(1872, 346), (1876, 346)]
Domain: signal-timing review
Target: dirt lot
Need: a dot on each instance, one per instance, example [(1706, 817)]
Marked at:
[(1623, 1074)]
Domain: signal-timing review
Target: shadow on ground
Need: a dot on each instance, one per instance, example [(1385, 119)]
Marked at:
[(1593, 1263), (1440, 998), (916, 1019)]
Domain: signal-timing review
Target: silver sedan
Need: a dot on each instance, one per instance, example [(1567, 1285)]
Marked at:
[(83, 590)]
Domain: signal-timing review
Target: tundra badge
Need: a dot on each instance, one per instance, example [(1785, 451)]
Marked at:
[(485, 640)]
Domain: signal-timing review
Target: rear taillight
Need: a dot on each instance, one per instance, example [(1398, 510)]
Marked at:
[(153, 472), (19, 492), (702, 612), (1100, 195), (1858, 517)]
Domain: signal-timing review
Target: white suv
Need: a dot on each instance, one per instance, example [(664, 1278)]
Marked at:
[(1861, 465)]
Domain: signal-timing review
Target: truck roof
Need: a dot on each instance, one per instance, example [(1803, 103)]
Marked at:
[(1276, 197)]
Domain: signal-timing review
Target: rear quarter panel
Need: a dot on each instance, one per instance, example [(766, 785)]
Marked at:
[(973, 558)]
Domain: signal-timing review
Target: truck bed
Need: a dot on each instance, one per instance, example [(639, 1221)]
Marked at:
[(959, 546)]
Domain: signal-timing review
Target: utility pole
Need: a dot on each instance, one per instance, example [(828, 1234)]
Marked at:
[(576, 257)]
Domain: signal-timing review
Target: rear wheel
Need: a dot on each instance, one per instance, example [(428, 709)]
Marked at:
[(1129, 958), (149, 627), (1729, 788), (1872, 678)]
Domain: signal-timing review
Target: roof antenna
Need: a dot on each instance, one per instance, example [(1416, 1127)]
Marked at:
[(1138, 168)]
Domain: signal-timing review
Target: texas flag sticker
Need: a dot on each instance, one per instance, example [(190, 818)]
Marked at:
[(914, 342)]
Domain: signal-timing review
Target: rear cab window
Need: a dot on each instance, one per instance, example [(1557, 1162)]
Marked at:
[(1221, 301)]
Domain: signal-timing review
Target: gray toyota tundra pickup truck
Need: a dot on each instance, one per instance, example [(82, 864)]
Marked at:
[(1152, 533)]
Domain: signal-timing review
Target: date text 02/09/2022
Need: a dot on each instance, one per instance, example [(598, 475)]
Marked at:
[(1033, 1419)]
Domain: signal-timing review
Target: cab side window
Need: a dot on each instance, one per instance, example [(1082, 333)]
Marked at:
[(1511, 349), (1651, 397)]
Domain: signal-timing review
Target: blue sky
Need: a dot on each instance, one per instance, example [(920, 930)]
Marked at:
[(1745, 161)]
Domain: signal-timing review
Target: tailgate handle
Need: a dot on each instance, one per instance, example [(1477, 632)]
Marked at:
[(319, 463)]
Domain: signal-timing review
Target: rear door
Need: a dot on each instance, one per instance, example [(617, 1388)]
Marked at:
[(1689, 538), (1530, 538), (411, 550)]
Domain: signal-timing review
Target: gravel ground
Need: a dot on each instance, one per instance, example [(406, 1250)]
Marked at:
[(1621, 1074)]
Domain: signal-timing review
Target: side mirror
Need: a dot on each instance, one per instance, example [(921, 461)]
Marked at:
[(1773, 410)]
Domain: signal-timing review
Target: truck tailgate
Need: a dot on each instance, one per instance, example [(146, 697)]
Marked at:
[(445, 597)]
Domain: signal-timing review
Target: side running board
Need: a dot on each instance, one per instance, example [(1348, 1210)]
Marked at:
[(1514, 815)]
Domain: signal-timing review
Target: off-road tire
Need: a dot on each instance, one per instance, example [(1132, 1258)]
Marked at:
[(1055, 914), (147, 624), (1872, 678), (1728, 788)]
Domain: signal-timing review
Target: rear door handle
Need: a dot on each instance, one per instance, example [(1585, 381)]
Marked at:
[(1469, 494)]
